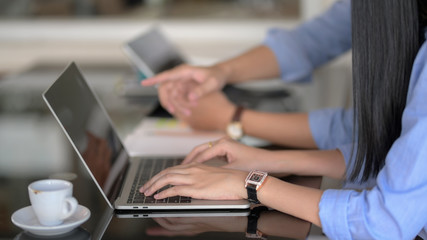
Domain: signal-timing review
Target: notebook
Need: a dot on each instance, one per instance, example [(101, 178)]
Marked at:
[(95, 140)]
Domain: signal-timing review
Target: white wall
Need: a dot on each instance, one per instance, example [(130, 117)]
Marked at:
[(25, 42), (312, 8)]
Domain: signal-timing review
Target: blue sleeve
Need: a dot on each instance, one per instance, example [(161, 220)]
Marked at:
[(395, 208), (331, 128), (301, 50)]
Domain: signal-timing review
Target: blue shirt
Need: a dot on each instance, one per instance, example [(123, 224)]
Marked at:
[(392, 205)]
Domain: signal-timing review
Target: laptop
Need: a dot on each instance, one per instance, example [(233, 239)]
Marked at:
[(95, 140)]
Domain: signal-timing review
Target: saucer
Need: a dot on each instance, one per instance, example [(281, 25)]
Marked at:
[(26, 219)]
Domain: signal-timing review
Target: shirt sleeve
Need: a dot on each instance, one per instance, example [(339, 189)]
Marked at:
[(301, 50), (395, 208), (331, 128)]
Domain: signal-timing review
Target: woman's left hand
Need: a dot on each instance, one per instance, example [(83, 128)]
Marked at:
[(198, 181), (238, 156)]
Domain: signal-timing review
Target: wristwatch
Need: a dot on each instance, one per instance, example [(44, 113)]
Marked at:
[(252, 231), (253, 182), (234, 128)]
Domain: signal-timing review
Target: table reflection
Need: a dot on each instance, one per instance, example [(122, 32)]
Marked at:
[(271, 223), (214, 224), (76, 234)]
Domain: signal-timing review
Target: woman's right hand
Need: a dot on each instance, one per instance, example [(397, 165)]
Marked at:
[(182, 86), (237, 155)]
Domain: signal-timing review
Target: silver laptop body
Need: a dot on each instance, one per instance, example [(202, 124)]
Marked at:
[(90, 130)]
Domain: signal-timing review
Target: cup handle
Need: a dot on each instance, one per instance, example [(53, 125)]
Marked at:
[(70, 207)]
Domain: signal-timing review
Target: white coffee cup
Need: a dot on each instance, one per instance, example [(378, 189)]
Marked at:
[(52, 200)]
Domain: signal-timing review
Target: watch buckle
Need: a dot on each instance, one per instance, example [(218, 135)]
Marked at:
[(257, 235)]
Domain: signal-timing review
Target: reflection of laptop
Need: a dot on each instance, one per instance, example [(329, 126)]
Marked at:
[(183, 213), (90, 131), (215, 215)]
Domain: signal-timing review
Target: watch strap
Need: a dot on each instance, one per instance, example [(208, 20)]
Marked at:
[(235, 128), (253, 219), (252, 196), (252, 227), (237, 114)]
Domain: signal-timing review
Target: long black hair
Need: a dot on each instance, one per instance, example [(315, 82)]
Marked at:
[(385, 39)]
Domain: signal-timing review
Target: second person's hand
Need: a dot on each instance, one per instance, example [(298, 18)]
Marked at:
[(213, 112), (187, 83)]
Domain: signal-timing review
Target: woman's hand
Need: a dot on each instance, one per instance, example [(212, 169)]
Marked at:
[(238, 156), (198, 181), (185, 84)]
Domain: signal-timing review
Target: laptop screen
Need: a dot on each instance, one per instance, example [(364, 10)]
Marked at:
[(89, 129), (154, 50)]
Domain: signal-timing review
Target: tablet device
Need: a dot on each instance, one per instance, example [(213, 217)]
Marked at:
[(152, 53)]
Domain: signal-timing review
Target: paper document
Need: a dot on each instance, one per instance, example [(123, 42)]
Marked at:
[(166, 136)]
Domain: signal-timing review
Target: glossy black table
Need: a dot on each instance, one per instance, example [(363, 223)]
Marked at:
[(105, 223), (32, 147)]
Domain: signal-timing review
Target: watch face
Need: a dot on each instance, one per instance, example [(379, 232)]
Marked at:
[(234, 130), (254, 181), (256, 177)]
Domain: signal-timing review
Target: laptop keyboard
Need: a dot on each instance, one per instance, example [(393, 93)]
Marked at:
[(146, 170)]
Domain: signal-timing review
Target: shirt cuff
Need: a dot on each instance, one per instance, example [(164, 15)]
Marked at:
[(331, 128), (320, 122), (333, 213), (346, 150)]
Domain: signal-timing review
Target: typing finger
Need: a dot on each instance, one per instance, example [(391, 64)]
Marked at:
[(213, 151), (176, 190), (175, 179), (195, 156), (179, 169), (192, 156)]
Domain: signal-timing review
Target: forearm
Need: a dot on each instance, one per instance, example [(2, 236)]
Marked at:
[(287, 129), (329, 163), (258, 63), (298, 201)]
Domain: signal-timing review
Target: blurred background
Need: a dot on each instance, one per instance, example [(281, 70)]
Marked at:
[(92, 31)]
